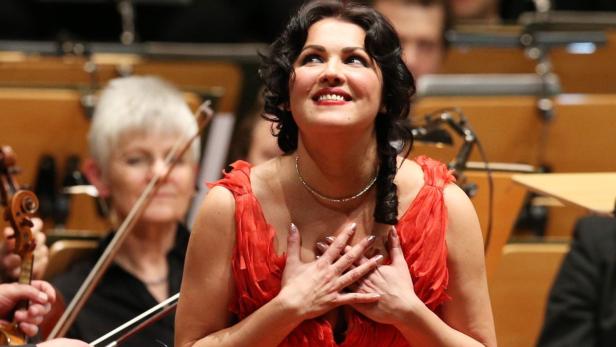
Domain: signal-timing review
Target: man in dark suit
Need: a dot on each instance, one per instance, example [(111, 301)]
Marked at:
[(581, 309)]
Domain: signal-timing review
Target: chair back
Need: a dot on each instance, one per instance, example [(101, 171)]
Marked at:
[(519, 290), (64, 253)]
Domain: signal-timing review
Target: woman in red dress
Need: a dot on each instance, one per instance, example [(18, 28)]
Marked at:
[(341, 241)]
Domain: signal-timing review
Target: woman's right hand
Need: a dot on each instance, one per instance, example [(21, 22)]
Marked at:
[(313, 288)]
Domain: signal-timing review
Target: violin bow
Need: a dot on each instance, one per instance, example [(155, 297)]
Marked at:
[(203, 115), (143, 320)]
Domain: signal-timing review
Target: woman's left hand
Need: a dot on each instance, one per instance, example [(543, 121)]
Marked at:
[(395, 285)]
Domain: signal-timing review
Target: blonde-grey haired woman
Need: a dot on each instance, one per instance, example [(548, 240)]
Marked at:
[(136, 123)]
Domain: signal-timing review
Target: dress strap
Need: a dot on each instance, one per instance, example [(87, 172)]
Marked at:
[(436, 174), (236, 178), (422, 233)]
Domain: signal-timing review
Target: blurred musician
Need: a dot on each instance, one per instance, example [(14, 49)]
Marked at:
[(136, 123), (421, 26)]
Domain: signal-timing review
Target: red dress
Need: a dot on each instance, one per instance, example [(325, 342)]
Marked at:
[(257, 269)]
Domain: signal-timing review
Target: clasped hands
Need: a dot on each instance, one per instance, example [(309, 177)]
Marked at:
[(343, 275)]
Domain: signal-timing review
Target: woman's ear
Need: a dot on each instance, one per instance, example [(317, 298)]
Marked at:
[(94, 174)]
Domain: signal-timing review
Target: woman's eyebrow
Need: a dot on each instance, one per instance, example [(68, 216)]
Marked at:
[(315, 47), (344, 50), (351, 49)]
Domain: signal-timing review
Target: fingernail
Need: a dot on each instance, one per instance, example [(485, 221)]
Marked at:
[(321, 246), (371, 238), (42, 296), (377, 258), (353, 227), (330, 239), (293, 228), (393, 232)]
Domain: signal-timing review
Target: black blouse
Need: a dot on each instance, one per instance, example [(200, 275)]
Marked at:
[(120, 297)]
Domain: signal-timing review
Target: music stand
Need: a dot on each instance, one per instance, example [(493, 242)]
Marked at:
[(488, 84), (593, 191)]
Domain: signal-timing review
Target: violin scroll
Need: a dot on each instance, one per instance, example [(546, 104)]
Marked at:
[(19, 207), (19, 212)]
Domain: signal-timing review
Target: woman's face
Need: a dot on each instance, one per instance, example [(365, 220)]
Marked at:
[(135, 160), (337, 85)]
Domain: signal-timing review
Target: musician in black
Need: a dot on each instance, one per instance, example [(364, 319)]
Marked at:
[(136, 123)]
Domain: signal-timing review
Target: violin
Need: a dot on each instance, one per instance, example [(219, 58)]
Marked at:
[(20, 205)]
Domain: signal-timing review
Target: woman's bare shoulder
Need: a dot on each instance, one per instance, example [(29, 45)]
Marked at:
[(217, 210), (410, 176), (409, 180), (219, 197), (461, 212), (265, 170), (265, 178)]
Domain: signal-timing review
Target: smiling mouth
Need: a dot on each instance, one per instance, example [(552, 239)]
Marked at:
[(330, 98)]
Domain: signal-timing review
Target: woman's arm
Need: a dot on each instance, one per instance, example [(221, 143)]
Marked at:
[(308, 289), (466, 319), (203, 317)]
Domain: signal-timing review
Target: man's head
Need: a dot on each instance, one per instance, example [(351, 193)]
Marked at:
[(475, 11), (421, 25)]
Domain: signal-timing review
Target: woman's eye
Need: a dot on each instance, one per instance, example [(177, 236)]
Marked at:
[(311, 58), (355, 59), (136, 160), (179, 160)]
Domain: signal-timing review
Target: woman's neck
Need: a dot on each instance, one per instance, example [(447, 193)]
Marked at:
[(147, 246), (337, 166)]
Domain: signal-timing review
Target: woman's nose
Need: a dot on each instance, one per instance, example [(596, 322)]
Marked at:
[(158, 167), (332, 73)]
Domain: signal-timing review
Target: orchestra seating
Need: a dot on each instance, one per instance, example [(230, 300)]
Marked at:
[(519, 290)]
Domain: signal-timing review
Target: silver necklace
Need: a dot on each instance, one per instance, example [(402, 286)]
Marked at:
[(329, 199)]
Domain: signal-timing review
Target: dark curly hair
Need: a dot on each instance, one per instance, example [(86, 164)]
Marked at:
[(383, 45)]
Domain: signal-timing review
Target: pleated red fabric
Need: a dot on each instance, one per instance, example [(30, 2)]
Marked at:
[(257, 268)]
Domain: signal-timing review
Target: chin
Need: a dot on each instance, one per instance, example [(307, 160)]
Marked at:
[(338, 124), (162, 215)]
